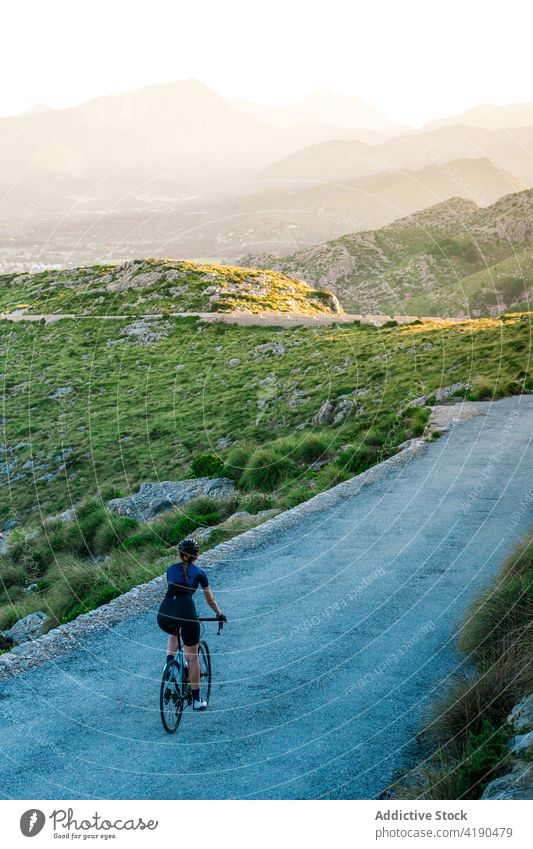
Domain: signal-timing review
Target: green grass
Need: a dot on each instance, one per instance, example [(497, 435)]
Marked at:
[(141, 411), (158, 286), (449, 259)]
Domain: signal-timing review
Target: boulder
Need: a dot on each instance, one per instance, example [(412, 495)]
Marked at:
[(325, 414), (269, 348), (29, 628), (334, 412), (61, 392), (521, 715), (236, 517), (155, 498), (202, 534), (521, 744), (341, 411), (6, 643), (441, 394), (517, 784)]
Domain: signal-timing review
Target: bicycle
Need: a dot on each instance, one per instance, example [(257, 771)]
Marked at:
[(175, 693)]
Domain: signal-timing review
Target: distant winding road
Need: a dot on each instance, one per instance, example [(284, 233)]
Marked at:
[(245, 319), (341, 636)]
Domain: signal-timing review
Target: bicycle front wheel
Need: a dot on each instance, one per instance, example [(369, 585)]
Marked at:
[(205, 670), (171, 697)]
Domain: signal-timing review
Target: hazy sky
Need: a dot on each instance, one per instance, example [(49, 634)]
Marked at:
[(413, 59)]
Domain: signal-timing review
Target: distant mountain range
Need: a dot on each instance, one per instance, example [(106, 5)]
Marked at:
[(328, 109), (177, 170), (180, 134), (451, 259), (338, 160), (490, 116)]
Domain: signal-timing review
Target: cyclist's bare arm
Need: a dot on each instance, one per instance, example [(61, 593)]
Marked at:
[(210, 598)]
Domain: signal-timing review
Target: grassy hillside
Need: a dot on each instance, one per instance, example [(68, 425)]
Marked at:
[(159, 286), (92, 409), (452, 259)]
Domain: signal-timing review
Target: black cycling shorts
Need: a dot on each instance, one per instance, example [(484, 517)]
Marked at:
[(178, 612)]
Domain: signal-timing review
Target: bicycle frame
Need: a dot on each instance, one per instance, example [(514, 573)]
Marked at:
[(182, 697)]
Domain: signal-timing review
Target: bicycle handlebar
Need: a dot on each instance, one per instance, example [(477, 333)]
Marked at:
[(213, 619)]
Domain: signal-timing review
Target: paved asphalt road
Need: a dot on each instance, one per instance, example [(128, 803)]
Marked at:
[(341, 635)]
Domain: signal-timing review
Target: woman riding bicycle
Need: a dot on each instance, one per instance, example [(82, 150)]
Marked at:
[(178, 612)]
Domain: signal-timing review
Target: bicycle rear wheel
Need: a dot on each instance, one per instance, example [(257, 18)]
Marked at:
[(171, 697), (205, 670)]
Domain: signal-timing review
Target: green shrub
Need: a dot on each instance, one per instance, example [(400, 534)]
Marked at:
[(42, 555), (417, 421), (506, 610), (485, 756), (482, 390), (12, 574), (104, 596), (502, 620), (236, 461), (16, 552), (314, 447), (170, 528), (513, 387), (254, 502), (473, 699), (460, 393), (375, 436), (357, 459), (112, 533), (87, 508), (330, 475), (202, 506), (295, 495), (109, 492), (207, 466), (266, 470), (79, 535), (483, 759)]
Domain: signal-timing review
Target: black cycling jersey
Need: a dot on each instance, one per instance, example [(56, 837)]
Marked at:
[(178, 585), (177, 611)]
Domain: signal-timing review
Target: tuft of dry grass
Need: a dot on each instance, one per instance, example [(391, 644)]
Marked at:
[(468, 726)]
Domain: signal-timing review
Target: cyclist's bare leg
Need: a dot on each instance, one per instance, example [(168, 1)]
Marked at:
[(172, 644), (191, 656)]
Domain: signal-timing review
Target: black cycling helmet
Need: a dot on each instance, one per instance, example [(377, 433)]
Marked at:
[(189, 546)]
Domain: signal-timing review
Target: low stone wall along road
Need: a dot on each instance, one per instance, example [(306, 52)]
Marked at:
[(341, 636)]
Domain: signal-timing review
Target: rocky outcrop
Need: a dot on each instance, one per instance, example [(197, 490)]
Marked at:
[(518, 782), (521, 715), (243, 518), (29, 628), (155, 498), (440, 394), (333, 412)]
